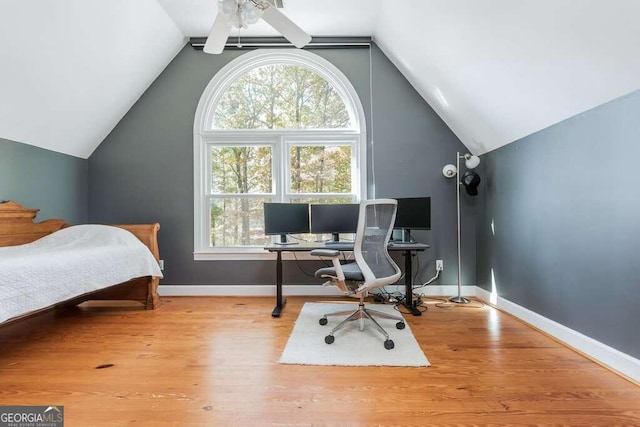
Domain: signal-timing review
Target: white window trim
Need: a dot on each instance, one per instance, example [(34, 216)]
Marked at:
[(203, 135)]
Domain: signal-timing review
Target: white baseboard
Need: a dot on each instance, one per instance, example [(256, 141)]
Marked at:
[(446, 290), (302, 290), (607, 356), (245, 290)]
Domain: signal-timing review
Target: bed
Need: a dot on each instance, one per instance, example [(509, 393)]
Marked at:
[(52, 263)]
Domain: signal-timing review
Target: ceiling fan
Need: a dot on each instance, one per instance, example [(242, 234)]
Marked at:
[(242, 13)]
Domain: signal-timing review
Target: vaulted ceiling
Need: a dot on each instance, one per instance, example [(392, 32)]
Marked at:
[(494, 70)]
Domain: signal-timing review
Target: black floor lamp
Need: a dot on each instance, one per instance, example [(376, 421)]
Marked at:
[(470, 180)]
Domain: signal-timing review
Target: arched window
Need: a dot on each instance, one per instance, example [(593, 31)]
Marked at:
[(272, 126)]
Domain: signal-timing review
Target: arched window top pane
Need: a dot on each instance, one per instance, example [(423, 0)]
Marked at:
[(281, 96)]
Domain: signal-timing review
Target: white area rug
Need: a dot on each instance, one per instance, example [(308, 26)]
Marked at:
[(352, 347)]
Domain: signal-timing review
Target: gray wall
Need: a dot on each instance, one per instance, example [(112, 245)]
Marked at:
[(411, 145), (37, 178), (565, 203), (143, 171)]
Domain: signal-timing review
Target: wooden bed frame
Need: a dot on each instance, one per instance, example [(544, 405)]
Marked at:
[(17, 227)]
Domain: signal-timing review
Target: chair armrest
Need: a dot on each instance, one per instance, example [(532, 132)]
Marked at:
[(330, 253), (334, 254)]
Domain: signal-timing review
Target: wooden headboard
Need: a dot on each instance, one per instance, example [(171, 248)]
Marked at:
[(17, 227)]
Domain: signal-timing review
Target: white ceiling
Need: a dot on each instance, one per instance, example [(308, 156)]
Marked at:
[(499, 70), (316, 17), (494, 70), (71, 69)]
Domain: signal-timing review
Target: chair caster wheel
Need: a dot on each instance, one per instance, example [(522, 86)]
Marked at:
[(329, 339), (400, 325), (388, 344), (323, 321)]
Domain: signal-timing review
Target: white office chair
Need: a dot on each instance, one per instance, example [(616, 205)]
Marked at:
[(373, 267)]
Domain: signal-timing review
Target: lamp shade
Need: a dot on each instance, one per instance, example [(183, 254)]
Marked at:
[(449, 171), (240, 13), (228, 6), (471, 161)]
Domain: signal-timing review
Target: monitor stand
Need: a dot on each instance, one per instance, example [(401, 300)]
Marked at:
[(335, 239), (284, 241), (405, 236)]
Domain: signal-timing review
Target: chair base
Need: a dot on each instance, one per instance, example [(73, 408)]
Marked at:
[(361, 314)]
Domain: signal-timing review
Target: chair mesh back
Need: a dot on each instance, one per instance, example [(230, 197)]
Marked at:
[(379, 219)]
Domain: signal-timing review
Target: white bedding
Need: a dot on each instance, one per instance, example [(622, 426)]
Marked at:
[(69, 263)]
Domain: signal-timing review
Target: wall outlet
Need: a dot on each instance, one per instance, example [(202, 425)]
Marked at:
[(161, 262), (439, 265)]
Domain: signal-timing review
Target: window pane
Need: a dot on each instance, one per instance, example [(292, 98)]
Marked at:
[(281, 96), (241, 169), (320, 169), (238, 221)]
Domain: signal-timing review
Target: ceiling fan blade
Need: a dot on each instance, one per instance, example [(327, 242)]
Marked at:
[(286, 27), (218, 36)]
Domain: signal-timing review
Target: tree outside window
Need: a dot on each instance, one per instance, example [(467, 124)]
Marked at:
[(280, 132)]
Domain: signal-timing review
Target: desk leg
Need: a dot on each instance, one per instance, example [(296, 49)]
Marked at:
[(280, 301), (408, 287)]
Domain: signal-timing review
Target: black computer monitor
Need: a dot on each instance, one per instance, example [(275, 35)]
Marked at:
[(414, 213), (334, 219), (286, 218)]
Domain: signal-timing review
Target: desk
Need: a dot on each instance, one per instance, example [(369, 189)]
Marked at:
[(408, 250)]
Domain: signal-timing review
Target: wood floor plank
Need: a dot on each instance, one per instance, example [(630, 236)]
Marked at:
[(200, 361)]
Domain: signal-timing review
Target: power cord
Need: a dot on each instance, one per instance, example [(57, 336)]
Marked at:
[(417, 304), (302, 269), (294, 237), (398, 300), (386, 297), (428, 282)]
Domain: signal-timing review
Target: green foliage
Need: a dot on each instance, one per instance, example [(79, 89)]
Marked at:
[(281, 96), (278, 96), (320, 169), (237, 222), (241, 169)]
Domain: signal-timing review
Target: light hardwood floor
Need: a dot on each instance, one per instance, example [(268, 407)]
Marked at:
[(209, 361)]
